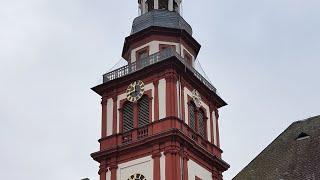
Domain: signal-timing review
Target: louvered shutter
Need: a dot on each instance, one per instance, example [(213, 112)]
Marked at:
[(202, 125), (127, 117), (143, 113), (192, 109)]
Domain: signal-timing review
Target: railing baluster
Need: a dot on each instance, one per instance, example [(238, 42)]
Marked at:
[(152, 59)]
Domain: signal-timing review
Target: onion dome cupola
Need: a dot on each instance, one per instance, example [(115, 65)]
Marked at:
[(160, 26)]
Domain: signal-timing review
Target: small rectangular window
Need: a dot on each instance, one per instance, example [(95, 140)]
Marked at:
[(163, 4), (142, 53)]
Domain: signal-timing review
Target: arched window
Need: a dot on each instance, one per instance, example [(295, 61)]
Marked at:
[(143, 111), (164, 4), (127, 117), (201, 123), (176, 7), (192, 115), (197, 119), (150, 5)]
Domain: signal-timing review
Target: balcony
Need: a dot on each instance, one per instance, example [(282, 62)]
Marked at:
[(153, 59), (155, 131)]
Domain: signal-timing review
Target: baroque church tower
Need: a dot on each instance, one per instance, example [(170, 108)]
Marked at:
[(159, 115)]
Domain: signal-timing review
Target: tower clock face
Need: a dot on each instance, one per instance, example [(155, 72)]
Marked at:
[(135, 91), (137, 177), (196, 98)]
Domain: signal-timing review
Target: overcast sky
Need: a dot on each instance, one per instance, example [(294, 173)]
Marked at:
[(262, 55)]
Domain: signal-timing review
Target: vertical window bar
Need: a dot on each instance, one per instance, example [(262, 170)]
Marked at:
[(201, 120), (127, 117), (192, 116), (143, 113)]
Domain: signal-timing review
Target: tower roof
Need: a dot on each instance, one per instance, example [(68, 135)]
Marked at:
[(160, 18)]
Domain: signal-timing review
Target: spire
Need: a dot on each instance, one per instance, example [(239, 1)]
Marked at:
[(149, 5)]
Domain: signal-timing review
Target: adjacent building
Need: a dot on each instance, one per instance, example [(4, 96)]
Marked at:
[(294, 155)]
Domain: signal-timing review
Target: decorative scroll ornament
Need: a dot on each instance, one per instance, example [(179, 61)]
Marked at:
[(196, 98)]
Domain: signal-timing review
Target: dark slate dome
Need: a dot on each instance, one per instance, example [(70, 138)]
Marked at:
[(160, 18)]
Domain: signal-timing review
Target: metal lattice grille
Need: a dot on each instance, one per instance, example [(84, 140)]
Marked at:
[(127, 117), (192, 109), (143, 114), (202, 130)]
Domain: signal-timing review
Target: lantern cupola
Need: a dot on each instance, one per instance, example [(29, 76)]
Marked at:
[(158, 27), (149, 5)]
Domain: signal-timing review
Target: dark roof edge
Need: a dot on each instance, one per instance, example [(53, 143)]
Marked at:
[(161, 30), (292, 124)]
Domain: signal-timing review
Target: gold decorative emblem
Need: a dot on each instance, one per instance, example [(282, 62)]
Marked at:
[(196, 98), (137, 177), (135, 91)]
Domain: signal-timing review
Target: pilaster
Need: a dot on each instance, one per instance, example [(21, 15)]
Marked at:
[(156, 163), (171, 94), (156, 99), (156, 4), (115, 110), (113, 170), (103, 170), (217, 128), (172, 162), (170, 5), (185, 160), (103, 119)]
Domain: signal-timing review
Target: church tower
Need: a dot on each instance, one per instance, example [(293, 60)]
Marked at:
[(159, 115)]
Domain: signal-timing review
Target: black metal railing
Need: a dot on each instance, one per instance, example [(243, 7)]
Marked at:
[(152, 59)]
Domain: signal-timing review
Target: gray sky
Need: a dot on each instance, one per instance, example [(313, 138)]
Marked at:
[(263, 56)]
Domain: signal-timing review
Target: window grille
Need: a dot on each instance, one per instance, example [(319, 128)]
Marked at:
[(192, 109), (202, 125), (127, 117), (143, 113)]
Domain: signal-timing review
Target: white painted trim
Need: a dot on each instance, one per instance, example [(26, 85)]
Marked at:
[(109, 118), (192, 56), (148, 87), (214, 119), (108, 175), (142, 165), (186, 92), (194, 169), (156, 4), (119, 98), (170, 5), (162, 167), (162, 98), (178, 87), (206, 107)]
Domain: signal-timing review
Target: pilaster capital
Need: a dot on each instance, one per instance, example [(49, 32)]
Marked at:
[(170, 76), (156, 155), (171, 150), (103, 168), (113, 167), (186, 156), (115, 98), (156, 82)]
